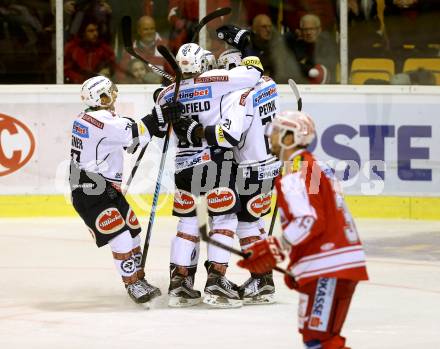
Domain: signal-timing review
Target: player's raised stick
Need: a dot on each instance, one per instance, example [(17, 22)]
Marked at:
[(299, 107), (208, 18)]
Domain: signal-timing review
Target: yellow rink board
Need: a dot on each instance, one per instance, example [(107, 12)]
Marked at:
[(361, 206)]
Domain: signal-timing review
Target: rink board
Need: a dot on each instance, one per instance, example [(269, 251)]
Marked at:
[(399, 207), (383, 142)]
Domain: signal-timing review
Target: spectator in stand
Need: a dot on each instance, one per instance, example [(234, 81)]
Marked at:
[(135, 9), (76, 11), (267, 44), (315, 50), (138, 74), (184, 15), (86, 54), (146, 46)]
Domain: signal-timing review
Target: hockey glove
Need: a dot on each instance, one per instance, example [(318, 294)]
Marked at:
[(188, 130), (234, 36), (169, 112), (156, 93), (263, 256), (253, 61), (152, 124)]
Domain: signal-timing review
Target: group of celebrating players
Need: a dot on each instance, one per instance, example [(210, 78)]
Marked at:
[(233, 146)]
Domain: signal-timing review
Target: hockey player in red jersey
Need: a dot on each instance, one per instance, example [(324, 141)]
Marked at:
[(326, 256), (99, 137)]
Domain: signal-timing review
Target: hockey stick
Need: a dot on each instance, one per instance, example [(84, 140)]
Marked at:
[(295, 90), (299, 108), (208, 18), (128, 45), (172, 61), (134, 169), (202, 218)]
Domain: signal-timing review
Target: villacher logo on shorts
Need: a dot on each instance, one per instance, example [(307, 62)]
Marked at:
[(184, 202), (109, 221), (16, 148), (255, 206), (132, 220), (259, 204), (221, 199)]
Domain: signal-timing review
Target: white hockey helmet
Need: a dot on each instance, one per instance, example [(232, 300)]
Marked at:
[(299, 123), (229, 59), (92, 89), (209, 62), (190, 58)]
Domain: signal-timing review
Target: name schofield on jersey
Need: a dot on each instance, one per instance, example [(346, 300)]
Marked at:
[(197, 107)]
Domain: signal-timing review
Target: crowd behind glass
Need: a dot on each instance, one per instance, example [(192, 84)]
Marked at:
[(294, 39)]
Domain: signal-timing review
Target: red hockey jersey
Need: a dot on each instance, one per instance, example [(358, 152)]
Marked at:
[(331, 248)]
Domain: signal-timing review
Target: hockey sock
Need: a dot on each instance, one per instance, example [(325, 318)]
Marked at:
[(137, 255), (121, 247), (262, 228), (185, 245), (185, 249), (248, 233), (217, 254), (223, 228)]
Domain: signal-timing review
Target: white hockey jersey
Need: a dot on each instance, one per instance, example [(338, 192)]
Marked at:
[(247, 115), (202, 97), (262, 105), (99, 139)]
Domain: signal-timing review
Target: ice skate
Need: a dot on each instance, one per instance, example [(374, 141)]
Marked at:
[(258, 289), (219, 291), (138, 292), (181, 292), (153, 291)]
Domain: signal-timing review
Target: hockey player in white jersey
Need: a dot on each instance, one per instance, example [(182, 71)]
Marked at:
[(202, 169), (257, 167), (99, 137)]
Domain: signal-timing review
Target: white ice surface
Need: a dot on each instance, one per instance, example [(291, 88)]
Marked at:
[(57, 290)]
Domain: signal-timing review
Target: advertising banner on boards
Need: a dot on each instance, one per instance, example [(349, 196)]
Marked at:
[(380, 141)]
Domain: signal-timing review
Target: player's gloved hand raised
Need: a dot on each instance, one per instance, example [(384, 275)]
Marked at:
[(234, 36), (188, 130), (264, 256), (169, 112), (160, 116), (150, 121)]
